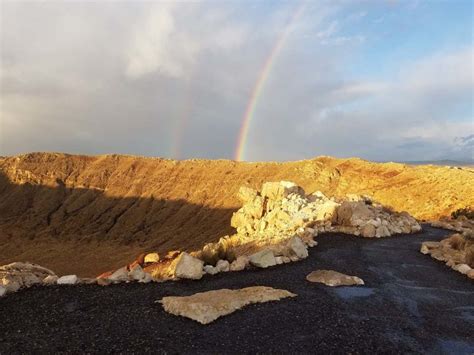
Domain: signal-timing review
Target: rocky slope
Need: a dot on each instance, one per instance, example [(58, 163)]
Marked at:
[(84, 214)]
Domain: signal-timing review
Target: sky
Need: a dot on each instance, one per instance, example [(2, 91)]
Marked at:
[(246, 80)]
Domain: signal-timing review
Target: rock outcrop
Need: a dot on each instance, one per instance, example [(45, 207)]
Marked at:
[(456, 251), (206, 307), (333, 278), (18, 275), (279, 223)]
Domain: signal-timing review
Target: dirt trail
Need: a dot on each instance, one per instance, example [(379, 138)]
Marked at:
[(86, 214)]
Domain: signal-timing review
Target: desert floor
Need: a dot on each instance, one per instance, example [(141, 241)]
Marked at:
[(411, 303)]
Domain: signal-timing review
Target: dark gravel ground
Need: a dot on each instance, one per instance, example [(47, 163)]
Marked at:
[(411, 303)]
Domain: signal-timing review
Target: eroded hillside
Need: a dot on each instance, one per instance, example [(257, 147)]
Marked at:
[(85, 214)]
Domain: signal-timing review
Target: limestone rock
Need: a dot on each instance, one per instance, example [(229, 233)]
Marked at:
[(151, 258), (206, 307), (18, 274), (67, 280), (119, 275), (240, 263), (146, 278), (136, 273), (297, 248), (280, 190), (188, 267), (223, 266), (211, 270), (368, 231), (263, 259), (50, 280), (247, 194), (333, 278), (462, 268)]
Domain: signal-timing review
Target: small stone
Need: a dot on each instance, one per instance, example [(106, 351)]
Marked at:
[(211, 270), (146, 279), (3, 291), (240, 263), (223, 266), (333, 278), (278, 260), (50, 280), (263, 259), (67, 280), (368, 231), (136, 273), (151, 258), (297, 248), (462, 268), (470, 274), (120, 275)]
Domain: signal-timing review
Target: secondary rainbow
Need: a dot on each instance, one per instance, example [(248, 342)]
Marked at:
[(260, 84)]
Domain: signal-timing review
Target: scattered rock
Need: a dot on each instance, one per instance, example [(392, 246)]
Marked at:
[(333, 278), (188, 267), (240, 263), (263, 259), (151, 258), (120, 275), (211, 270), (136, 273), (368, 231), (50, 280), (223, 266), (67, 280), (297, 248), (462, 268), (206, 307)]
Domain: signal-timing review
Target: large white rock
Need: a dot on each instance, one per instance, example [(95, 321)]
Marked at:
[(188, 267), (263, 259), (67, 280), (297, 248), (206, 307)]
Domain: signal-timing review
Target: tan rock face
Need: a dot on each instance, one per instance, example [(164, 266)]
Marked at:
[(17, 275), (263, 259), (333, 278), (206, 307), (188, 267)]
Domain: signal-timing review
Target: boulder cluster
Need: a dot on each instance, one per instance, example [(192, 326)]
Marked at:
[(274, 226), (19, 275), (456, 251)]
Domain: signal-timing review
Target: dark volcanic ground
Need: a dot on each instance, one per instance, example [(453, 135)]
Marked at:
[(411, 303)]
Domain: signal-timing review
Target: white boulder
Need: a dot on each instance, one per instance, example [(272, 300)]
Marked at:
[(188, 267), (263, 259), (67, 280)]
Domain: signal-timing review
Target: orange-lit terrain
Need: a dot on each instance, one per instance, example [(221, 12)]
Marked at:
[(86, 214)]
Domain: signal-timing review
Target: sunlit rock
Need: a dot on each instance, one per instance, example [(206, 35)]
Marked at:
[(333, 278), (206, 307)]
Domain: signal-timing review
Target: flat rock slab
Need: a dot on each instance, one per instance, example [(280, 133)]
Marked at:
[(333, 278), (206, 307)]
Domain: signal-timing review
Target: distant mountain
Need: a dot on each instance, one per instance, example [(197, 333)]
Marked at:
[(445, 162)]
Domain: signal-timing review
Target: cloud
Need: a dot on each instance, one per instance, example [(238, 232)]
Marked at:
[(169, 78)]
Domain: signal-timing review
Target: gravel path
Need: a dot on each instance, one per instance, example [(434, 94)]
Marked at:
[(410, 303)]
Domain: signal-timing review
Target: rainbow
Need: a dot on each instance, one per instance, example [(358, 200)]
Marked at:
[(260, 84)]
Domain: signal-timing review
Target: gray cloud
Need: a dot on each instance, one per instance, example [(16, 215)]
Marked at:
[(174, 80)]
